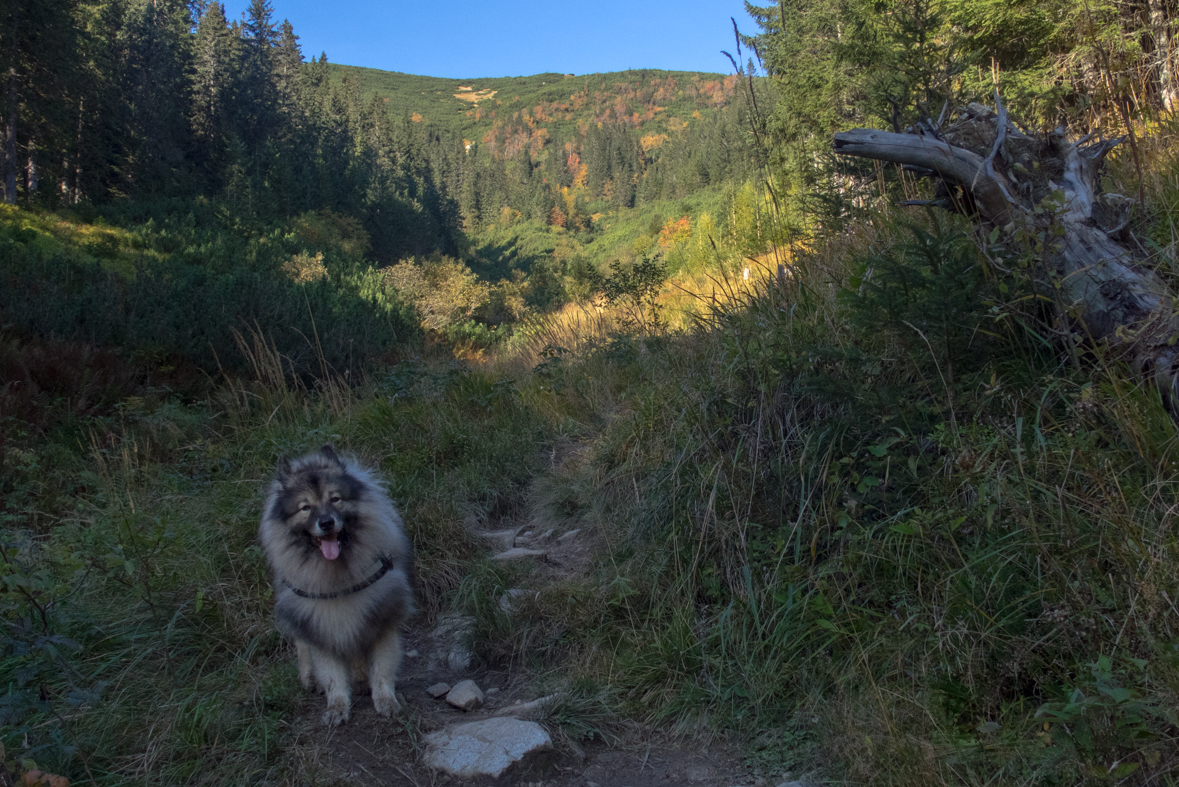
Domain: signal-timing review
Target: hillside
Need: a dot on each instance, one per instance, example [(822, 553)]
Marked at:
[(653, 101)]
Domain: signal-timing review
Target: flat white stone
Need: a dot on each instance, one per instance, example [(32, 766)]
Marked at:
[(466, 696), (519, 552), (572, 534), (453, 624), (458, 659), (486, 748)]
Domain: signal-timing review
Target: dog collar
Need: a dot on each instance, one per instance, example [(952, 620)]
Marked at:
[(386, 564)]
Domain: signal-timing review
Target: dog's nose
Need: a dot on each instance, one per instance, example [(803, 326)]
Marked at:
[(326, 524)]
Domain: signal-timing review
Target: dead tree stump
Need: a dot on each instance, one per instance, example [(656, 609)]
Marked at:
[(1045, 191)]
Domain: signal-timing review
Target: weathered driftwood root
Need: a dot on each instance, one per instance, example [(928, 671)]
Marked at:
[(1015, 181)]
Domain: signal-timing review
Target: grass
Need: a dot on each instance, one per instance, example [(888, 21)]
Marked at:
[(139, 644), (874, 526), (964, 581), (169, 295)]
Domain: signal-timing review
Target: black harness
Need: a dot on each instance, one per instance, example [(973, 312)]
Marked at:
[(386, 564)]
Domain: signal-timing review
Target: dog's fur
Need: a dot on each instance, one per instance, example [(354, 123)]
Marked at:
[(323, 497)]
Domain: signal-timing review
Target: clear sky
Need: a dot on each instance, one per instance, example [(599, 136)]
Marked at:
[(493, 38)]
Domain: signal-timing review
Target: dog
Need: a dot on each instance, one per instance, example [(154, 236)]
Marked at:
[(341, 565)]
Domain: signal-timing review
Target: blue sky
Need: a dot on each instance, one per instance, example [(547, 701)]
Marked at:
[(492, 38)]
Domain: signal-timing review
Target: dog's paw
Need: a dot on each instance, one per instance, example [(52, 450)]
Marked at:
[(336, 714), (386, 704)]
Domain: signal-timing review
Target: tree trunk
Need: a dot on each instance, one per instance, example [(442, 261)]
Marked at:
[(1043, 193), (1160, 28), (10, 164), (33, 180), (76, 197)]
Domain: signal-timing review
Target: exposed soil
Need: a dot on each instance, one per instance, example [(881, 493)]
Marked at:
[(370, 749)]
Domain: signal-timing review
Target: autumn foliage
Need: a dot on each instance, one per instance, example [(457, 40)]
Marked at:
[(675, 231)]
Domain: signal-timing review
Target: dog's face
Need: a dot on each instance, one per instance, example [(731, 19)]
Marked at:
[(318, 502)]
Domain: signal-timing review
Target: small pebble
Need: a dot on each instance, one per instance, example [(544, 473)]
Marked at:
[(411, 654), (572, 534), (492, 691), (465, 696), (438, 689)]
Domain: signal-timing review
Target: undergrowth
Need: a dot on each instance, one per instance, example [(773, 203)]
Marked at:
[(870, 507), (137, 644), (864, 515)]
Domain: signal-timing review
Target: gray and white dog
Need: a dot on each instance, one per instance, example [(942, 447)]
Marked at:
[(341, 564)]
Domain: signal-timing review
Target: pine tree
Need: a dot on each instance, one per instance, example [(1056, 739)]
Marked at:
[(37, 38), (157, 81), (257, 97), (214, 76), (288, 68), (12, 101)]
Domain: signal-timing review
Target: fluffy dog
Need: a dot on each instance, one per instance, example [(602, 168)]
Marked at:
[(341, 567)]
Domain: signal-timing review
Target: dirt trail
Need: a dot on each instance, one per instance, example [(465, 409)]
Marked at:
[(371, 750)]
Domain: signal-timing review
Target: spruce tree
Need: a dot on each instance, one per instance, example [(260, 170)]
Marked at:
[(288, 68), (257, 97), (157, 81), (215, 64)]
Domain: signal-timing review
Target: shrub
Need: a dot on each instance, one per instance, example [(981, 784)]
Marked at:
[(181, 308), (443, 291)]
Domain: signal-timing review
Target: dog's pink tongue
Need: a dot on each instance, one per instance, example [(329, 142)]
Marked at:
[(330, 549)]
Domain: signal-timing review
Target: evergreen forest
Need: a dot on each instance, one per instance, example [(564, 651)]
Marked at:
[(850, 376)]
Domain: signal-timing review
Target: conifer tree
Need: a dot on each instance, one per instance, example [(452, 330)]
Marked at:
[(215, 63), (288, 68), (37, 38), (257, 96), (157, 81)]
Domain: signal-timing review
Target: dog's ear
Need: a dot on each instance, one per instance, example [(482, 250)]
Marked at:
[(330, 453), (284, 467)]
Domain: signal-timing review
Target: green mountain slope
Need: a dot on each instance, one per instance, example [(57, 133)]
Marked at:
[(654, 101)]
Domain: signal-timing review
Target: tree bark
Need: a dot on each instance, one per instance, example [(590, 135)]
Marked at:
[(33, 177), (10, 164), (1102, 285), (1160, 27), (76, 196)]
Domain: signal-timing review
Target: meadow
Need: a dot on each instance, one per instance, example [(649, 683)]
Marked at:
[(818, 538)]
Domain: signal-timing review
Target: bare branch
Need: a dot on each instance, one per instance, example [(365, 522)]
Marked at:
[(955, 164)]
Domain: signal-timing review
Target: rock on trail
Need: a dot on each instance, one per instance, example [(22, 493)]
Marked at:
[(489, 748), (466, 696)]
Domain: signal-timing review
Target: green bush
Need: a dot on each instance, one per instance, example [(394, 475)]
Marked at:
[(183, 309)]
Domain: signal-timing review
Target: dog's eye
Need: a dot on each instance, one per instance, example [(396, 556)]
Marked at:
[(336, 498), (304, 507)]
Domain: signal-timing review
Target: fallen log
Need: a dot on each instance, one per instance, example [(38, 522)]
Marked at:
[(1045, 192)]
